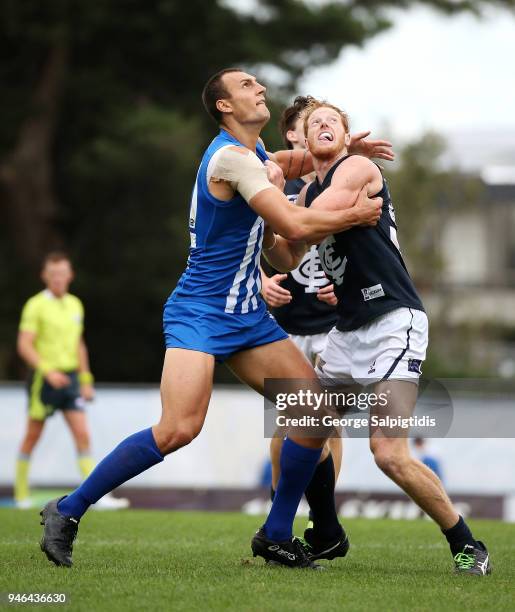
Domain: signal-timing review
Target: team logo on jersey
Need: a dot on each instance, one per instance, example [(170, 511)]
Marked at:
[(415, 365), (310, 273), (333, 264), (371, 293), (372, 368)]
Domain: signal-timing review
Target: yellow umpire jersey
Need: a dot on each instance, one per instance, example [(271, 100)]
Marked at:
[(58, 324)]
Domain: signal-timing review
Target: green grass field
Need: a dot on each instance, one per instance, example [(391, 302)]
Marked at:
[(134, 560)]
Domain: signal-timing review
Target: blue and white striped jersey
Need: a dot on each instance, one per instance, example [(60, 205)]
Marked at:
[(226, 240)]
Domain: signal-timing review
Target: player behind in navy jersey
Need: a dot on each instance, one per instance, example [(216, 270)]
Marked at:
[(303, 303), (381, 336), (302, 300), (216, 313)]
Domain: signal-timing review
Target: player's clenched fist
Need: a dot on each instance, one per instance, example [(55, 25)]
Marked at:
[(369, 209)]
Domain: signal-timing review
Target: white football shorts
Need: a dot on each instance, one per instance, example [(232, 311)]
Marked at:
[(391, 347), (311, 346)]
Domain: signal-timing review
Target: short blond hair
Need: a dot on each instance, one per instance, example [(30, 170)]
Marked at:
[(315, 105)]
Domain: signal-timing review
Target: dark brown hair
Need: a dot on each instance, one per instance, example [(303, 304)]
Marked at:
[(215, 90), (290, 115)]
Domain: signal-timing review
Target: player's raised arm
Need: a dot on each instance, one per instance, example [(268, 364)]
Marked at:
[(307, 224), (350, 178), (361, 145), (239, 169), (300, 224), (293, 162), (297, 162)]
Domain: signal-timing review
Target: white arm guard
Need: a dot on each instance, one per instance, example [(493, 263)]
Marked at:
[(244, 172)]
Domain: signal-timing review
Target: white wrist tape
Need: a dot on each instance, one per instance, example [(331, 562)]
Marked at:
[(245, 172)]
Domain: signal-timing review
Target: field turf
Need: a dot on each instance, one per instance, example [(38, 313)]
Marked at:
[(137, 560)]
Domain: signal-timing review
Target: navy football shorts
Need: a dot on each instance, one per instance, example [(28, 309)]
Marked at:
[(44, 400)]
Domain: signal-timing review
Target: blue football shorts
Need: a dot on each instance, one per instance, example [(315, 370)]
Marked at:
[(201, 327)]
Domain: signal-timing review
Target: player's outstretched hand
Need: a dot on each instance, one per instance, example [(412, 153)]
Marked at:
[(274, 294), (326, 294), (381, 149), (57, 379), (275, 174), (369, 209)]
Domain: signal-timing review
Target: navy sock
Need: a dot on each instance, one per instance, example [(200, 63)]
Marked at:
[(132, 456), (458, 536), (297, 466), (320, 496)]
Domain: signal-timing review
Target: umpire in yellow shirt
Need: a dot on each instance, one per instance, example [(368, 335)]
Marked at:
[(50, 341)]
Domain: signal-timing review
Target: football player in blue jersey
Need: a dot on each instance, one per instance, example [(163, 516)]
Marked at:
[(216, 313)]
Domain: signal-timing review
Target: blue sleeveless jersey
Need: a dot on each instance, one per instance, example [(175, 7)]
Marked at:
[(226, 239), (216, 307)]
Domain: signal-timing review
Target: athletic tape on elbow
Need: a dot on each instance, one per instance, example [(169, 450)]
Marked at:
[(245, 173)]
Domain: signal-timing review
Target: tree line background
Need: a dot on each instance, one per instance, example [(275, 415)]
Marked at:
[(101, 134)]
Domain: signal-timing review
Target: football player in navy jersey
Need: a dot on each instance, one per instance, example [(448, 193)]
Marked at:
[(216, 313), (380, 339)]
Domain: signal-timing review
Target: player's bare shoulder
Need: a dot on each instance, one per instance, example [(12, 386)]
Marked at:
[(231, 168), (357, 170), (357, 165)]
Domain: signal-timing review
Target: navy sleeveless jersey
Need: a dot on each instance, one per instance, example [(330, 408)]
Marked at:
[(366, 265), (225, 244), (305, 315)]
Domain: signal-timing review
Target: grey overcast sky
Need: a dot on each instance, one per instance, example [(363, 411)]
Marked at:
[(429, 71), (454, 75)]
